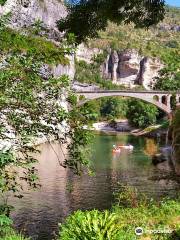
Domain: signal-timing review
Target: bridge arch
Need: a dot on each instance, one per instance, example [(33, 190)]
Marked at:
[(152, 97), (164, 100)]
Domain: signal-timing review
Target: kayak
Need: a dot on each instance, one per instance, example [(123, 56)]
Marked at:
[(128, 147)]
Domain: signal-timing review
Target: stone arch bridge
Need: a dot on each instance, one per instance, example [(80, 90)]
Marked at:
[(161, 99)]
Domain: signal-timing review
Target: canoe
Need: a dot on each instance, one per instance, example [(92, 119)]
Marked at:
[(128, 147)]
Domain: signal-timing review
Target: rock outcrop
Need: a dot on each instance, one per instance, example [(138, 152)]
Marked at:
[(129, 68), (86, 54), (25, 14)]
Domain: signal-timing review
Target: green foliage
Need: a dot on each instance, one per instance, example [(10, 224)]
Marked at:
[(5, 224), (90, 73), (90, 225), (6, 158), (157, 41), (120, 222), (92, 110), (14, 236), (6, 231), (149, 42), (106, 108), (169, 78), (128, 196), (141, 114), (113, 107), (172, 44), (78, 156), (37, 27), (94, 16), (33, 46), (30, 106), (2, 2)]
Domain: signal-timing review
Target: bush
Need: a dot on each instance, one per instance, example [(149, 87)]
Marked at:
[(172, 44), (6, 231), (121, 221), (90, 225)]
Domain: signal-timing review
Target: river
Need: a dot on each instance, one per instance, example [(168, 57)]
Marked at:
[(61, 193)]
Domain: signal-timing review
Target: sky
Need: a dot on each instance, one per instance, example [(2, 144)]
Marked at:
[(173, 2)]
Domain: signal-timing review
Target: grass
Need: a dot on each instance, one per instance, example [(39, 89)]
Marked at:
[(14, 236)]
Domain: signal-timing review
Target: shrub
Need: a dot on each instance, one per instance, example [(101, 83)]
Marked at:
[(6, 231), (120, 222), (90, 225)]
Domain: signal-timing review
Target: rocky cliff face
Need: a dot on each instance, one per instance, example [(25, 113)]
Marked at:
[(25, 13), (129, 68), (86, 54)]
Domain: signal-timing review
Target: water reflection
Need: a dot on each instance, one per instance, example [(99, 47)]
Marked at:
[(151, 147), (38, 213)]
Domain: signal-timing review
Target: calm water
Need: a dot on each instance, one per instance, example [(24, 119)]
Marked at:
[(38, 213)]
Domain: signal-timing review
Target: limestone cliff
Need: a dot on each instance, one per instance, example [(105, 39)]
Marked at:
[(129, 68), (25, 13), (85, 53)]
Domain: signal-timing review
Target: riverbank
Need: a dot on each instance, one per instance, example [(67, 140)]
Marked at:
[(122, 125)]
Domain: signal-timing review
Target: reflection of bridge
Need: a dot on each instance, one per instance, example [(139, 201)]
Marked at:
[(161, 99)]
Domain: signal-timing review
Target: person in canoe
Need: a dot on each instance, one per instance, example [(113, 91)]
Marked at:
[(116, 149)]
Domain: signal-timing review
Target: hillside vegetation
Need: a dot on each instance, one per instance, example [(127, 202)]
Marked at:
[(161, 41), (156, 41)]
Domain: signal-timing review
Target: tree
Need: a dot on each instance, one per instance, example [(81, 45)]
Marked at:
[(169, 76), (86, 17), (141, 114), (31, 107), (113, 107)]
